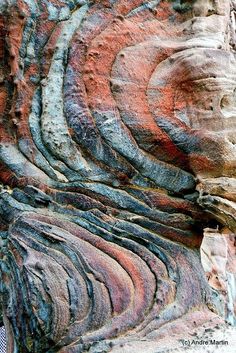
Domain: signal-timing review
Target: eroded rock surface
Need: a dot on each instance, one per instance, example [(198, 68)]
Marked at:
[(219, 262), (117, 125)]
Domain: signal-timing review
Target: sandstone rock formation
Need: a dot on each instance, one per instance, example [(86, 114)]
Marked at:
[(117, 150), (219, 260)]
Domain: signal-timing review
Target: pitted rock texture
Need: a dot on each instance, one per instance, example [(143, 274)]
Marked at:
[(117, 125)]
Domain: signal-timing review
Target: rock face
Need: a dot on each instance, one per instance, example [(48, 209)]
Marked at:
[(117, 125), (219, 262)]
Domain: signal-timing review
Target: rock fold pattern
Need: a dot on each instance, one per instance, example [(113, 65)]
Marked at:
[(117, 149)]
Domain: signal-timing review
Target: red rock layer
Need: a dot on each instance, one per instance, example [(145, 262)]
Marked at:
[(110, 113)]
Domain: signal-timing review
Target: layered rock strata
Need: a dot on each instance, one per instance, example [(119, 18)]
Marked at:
[(117, 125)]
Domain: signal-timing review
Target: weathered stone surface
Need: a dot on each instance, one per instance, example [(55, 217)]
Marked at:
[(219, 262), (117, 125)]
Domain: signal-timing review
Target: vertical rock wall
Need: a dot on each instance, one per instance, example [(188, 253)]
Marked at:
[(117, 150)]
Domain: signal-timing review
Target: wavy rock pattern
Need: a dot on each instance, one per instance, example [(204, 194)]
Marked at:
[(117, 124)]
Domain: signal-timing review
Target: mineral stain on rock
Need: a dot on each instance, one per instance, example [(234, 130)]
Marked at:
[(117, 170)]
